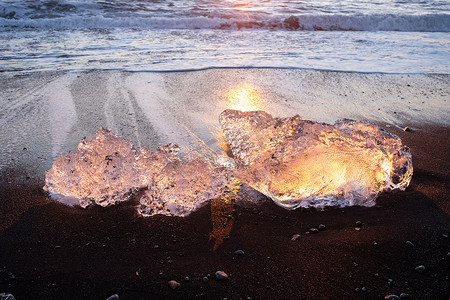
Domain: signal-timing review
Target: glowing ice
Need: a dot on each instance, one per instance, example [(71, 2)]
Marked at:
[(107, 170), (300, 163)]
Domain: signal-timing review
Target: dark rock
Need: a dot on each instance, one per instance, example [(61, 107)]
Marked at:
[(173, 284), (392, 297), (409, 243), (420, 268), (363, 289), (358, 224), (322, 227), (404, 295), (357, 290), (205, 279), (292, 23), (6, 296), (296, 237), (113, 297), (239, 252), (221, 275), (313, 230)]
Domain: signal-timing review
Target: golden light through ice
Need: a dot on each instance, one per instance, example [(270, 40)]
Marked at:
[(245, 97)]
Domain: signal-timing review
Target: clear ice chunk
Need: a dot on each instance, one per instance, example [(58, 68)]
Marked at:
[(300, 163), (107, 170)]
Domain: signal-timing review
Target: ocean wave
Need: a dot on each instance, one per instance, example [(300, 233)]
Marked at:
[(388, 22)]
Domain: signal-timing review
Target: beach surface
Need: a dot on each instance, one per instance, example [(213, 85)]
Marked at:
[(52, 251)]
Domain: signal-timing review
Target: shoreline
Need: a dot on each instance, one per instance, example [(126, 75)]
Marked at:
[(52, 251)]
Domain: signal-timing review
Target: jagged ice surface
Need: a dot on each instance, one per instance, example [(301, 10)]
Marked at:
[(296, 163), (107, 170), (300, 163)]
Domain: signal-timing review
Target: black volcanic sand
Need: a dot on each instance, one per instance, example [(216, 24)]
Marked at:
[(51, 251)]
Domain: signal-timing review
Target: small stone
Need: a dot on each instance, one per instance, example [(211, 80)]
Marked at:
[(363, 289), (113, 297), (376, 275), (187, 279), (156, 246), (445, 235), (173, 284), (404, 295), (221, 275), (409, 243), (392, 297), (322, 227), (420, 268), (390, 281), (358, 224), (239, 252), (205, 279), (6, 296), (57, 247), (313, 230), (296, 237), (357, 290), (357, 228), (355, 264)]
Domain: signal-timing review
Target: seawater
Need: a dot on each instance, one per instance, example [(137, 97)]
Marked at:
[(391, 36)]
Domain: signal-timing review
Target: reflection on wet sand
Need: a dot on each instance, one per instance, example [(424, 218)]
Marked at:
[(245, 97), (222, 209)]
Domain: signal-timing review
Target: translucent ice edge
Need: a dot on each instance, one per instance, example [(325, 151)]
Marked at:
[(294, 162), (300, 163)]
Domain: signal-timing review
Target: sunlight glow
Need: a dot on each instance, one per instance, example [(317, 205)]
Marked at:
[(245, 97)]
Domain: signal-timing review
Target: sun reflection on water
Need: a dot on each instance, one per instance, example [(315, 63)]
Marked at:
[(245, 97)]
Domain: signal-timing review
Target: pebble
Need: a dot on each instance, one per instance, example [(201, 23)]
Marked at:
[(173, 284), (390, 281), (313, 230), (409, 243), (57, 247), (358, 224), (420, 268), (296, 237), (364, 289), (357, 290), (392, 297), (404, 295), (5, 296), (322, 227), (156, 246), (239, 252), (221, 275), (445, 235), (113, 297), (187, 279), (357, 228), (205, 279)]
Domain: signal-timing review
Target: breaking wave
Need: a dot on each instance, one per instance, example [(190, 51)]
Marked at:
[(406, 23)]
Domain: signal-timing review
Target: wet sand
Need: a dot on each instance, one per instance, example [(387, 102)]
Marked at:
[(51, 251)]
